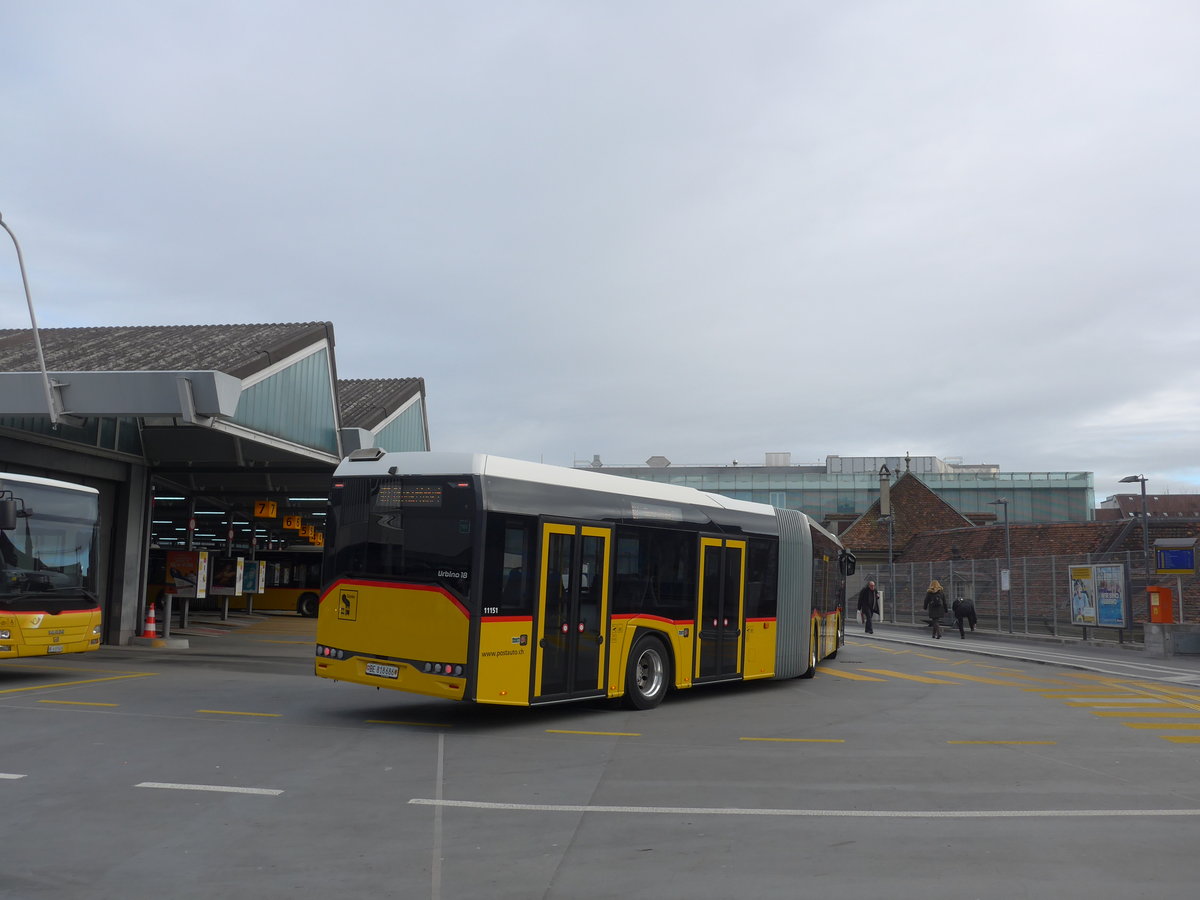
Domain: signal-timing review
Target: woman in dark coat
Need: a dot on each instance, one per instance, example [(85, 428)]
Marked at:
[(935, 605)]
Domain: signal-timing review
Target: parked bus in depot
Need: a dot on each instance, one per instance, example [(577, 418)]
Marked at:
[(48, 601), (293, 581), (474, 577)]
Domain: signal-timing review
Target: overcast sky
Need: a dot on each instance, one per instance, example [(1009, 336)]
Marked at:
[(707, 230)]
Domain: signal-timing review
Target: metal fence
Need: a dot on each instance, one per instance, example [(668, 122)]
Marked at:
[(1039, 599)]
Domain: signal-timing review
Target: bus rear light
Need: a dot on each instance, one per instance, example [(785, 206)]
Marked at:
[(5, 634)]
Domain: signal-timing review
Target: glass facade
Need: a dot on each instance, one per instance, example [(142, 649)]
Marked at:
[(1032, 496), (295, 404)]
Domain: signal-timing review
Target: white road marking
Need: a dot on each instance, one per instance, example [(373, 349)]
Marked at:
[(4, 775), (821, 813), (227, 789)]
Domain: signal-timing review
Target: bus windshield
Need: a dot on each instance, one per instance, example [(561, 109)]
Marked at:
[(403, 529), (47, 558)]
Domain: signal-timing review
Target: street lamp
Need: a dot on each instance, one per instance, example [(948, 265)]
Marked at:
[(1006, 575), (891, 522), (37, 340), (1130, 479)]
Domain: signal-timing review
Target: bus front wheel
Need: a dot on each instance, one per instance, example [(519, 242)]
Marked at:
[(647, 675), (307, 605)]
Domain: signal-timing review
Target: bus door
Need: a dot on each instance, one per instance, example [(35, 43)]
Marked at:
[(573, 610), (720, 608)]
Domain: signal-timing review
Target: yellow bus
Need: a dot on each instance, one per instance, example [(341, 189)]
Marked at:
[(474, 577), (48, 602), (293, 580)]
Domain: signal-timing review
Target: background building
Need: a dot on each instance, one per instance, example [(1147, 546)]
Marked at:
[(839, 491)]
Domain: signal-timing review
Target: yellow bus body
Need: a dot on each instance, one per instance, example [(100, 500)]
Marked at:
[(45, 634), (405, 628)]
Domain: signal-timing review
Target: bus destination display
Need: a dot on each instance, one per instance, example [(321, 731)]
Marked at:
[(397, 494)]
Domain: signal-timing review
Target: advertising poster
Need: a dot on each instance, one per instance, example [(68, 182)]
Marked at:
[(187, 573), (227, 577), (254, 577), (1083, 592), (1110, 595)]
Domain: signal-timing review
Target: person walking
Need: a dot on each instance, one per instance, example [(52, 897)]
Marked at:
[(868, 605), (964, 609), (935, 605)]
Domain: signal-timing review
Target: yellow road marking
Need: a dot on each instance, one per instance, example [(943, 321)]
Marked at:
[(77, 703), (600, 733), (934, 658), (233, 712), (397, 722), (853, 676), (1181, 739), (1162, 726), (1037, 743), (977, 678), (1147, 712), (1132, 704), (798, 740), (42, 687), (920, 678)]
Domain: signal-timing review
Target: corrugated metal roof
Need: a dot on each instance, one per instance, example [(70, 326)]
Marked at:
[(237, 350), (365, 402)]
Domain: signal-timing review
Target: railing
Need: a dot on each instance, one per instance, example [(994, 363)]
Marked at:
[(1039, 601)]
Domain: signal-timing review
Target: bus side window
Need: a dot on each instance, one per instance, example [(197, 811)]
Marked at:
[(509, 549)]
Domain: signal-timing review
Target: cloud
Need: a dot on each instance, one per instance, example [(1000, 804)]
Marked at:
[(676, 228)]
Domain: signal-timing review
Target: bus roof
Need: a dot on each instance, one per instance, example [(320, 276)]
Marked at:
[(46, 482), (441, 463)]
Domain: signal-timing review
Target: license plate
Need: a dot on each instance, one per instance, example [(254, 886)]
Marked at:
[(54, 648), (383, 671)]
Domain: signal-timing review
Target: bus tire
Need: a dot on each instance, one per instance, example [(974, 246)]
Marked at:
[(647, 674), (812, 656), (307, 605)]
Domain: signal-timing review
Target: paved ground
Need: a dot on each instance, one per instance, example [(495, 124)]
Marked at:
[(985, 768)]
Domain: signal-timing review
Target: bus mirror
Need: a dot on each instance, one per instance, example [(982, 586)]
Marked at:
[(8, 514), (847, 562)]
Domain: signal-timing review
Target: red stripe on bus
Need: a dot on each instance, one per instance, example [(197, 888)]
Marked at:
[(391, 584), (627, 616), (764, 619)]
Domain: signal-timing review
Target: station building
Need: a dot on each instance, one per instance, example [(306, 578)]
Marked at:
[(187, 430), (843, 488)]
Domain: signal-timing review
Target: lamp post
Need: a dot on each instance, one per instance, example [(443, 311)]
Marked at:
[(1006, 575), (891, 520), (1130, 479), (37, 340)]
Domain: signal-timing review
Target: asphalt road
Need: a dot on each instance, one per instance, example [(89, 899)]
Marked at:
[(904, 769)]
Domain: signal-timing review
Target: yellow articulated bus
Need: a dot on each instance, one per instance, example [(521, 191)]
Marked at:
[(48, 602), (474, 577)]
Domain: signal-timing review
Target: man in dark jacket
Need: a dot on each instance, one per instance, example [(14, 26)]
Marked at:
[(868, 605), (964, 609)]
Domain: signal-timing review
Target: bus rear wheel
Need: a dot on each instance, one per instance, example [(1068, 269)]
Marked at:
[(647, 675), (812, 657), (307, 605)]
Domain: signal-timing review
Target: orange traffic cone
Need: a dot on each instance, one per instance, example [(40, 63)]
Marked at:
[(151, 629)]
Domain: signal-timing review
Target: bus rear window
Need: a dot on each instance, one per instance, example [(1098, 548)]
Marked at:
[(408, 529)]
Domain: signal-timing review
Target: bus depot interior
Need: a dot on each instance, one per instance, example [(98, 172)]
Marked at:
[(275, 544)]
